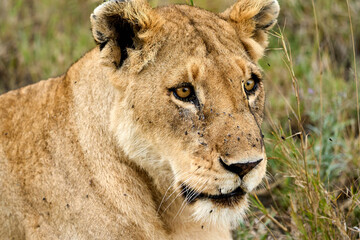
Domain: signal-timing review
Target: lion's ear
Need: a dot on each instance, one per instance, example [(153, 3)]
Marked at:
[(252, 19), (116, 25)]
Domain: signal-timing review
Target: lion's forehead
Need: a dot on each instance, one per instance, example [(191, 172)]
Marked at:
[(198, 29)]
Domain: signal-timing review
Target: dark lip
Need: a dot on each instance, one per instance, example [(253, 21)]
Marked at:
[(191, 195)]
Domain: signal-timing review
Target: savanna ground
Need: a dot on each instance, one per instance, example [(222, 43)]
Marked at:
[(312, 116)]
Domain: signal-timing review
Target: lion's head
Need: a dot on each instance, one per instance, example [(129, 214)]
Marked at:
[(190, 97)]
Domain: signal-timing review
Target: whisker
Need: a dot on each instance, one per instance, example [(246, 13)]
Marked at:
[(170, 186), (202, 188), (186, 173), (179, 194), (194, 191), (186, 181)]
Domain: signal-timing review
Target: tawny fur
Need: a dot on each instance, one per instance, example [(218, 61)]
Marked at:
[(101, 152)]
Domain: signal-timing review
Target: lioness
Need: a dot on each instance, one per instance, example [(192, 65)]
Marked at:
[(154, 134)]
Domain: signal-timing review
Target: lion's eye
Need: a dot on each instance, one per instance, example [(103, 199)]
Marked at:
[(185, 92), (249, 85)]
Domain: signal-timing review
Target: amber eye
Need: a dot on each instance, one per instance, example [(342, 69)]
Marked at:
[(183, 92), (249, 85), (252, 84)]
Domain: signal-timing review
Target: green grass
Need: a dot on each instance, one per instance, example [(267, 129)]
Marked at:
[(311, 127), (311, 131)]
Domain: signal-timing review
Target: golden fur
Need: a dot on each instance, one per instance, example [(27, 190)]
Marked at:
[(104, 151)]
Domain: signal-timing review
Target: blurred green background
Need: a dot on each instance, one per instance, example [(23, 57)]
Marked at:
[(311, 127)]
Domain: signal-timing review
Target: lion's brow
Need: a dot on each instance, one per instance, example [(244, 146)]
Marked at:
[(210, 47)]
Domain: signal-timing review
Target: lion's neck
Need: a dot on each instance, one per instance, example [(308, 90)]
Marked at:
[(94, 98), (92, 91)]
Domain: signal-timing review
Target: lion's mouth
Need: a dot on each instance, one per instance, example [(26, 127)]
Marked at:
[(228, 199)]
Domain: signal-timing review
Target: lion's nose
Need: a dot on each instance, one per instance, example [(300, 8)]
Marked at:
[(240, 169)]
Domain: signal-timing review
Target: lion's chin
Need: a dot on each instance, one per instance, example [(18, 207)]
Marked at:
[(230, 199), (220, 210), (220, 213)]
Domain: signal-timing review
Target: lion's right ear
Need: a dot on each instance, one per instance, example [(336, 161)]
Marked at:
[(116, 25), (252, 20)]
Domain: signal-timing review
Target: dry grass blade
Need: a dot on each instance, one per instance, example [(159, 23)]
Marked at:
[(355, 68)]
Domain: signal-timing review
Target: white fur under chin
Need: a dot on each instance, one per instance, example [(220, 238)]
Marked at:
[(206, 212), (138, 149), (129, 138)]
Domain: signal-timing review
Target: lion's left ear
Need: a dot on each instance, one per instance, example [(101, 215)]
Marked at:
[(252, 19), (119, 25)]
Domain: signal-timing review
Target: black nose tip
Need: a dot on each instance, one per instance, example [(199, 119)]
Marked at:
[(240, 169)]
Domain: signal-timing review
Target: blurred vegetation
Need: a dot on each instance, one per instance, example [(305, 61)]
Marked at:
[(311, 127)]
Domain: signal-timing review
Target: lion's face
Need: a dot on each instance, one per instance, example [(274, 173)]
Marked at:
[(204, 122), (195, 102)]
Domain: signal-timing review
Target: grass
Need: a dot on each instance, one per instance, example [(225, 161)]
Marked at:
[(312, 115), (311, 131)]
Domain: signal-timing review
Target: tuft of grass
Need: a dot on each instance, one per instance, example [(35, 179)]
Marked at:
[(191, 2)]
